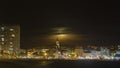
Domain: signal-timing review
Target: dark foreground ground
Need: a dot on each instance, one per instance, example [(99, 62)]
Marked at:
[(58, 64)]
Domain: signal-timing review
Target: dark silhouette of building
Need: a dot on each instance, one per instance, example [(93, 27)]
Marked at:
[(9, 38)]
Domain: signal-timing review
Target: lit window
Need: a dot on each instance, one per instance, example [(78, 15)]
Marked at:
[(2, 43), (11, 43), (2, 35), (13, 35), (11, 29), (10, 48), (3, 28), (2, 39), (11, 39)]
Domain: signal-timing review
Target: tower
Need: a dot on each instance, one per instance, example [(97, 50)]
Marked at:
[(57, 44), (9, 38)]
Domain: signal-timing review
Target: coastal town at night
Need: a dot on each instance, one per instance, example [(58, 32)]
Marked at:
[(59, 34), (10, 48)]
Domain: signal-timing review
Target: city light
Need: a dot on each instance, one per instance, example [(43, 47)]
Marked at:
[(9, 49)]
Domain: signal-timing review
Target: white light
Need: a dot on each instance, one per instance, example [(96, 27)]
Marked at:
[(11, 29), (2, 28), (13, 35), (3, 39), (11, 42)]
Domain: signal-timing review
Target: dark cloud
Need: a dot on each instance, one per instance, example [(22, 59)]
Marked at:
[(94, 20)]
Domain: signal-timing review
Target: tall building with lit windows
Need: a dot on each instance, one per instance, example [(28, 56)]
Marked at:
[(9, 38)]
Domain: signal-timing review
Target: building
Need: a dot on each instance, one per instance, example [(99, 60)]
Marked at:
[(9, 38)]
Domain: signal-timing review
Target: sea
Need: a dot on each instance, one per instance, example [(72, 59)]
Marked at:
[(35, 63)]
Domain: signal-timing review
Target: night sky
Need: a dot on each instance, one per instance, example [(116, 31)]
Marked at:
[(94, 23)]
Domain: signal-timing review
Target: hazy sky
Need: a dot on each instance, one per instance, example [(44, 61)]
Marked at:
[(90, 21)]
